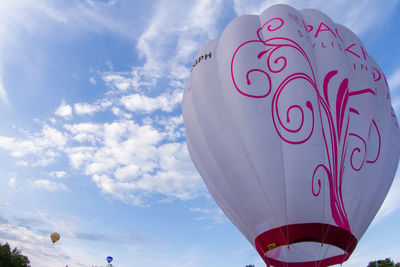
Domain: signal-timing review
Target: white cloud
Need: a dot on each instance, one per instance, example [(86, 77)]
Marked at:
[(173, 126), (22, 20), (79, 155), (396, 105), (45, 145), (120, 113), (85, 108), (127, 172), (45, 158), (127, 159), (176, 176), (210, 214), (30, 232), (180, 72), (34, 245), (92, 80), (49, 185), (12, 182), (86, 127), (131, 161), (108, 185), (119, 81), (58, 174), (121, 143), (83, 132), (52, 137), (166, 102), (17, 149), (88, 15), (186, 49), (394, 85), (3, 92), (137, 78), (101, 164), (64, 110), (175, 29)]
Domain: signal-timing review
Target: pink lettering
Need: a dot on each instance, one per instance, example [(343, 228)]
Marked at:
[(376, 74), (348, 50), (337, 33), (364, 53), (308, 28), (320, 29)]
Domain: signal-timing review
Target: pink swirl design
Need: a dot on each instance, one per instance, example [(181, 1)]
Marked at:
[(334, 113), (269, 26), (358, 150)]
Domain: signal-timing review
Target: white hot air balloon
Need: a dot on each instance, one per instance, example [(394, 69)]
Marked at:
[(289, 123)]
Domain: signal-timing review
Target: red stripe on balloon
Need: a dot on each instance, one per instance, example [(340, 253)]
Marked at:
[(306, 232)]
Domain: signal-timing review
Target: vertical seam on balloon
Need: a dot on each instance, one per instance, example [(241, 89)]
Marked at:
[(242, 144), (345, 147), (388, 122), (286, 237), (352, 110), (251, 164), (252, 167), (240, 219), (325, 155), (326, 160)]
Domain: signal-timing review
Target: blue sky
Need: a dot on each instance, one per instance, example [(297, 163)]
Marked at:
[(92, 142)]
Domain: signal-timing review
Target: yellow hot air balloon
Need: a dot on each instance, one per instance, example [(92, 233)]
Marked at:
[(54, 237)]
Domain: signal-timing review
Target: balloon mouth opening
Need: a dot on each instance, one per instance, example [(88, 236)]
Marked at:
[(308, 244)]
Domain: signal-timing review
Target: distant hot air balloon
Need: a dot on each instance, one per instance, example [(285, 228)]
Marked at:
[(289, 123), (109, 259), (54, 237)]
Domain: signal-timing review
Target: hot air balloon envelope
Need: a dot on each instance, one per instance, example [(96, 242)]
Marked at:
[(109, 259), (54, 237), (289, 123)]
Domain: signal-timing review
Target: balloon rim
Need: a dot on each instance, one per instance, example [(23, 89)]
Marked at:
[(306, 232)]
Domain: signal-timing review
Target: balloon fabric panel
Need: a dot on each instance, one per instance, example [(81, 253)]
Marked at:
[(289, 122)]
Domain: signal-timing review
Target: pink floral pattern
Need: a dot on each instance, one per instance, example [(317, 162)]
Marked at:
[(334, 112)]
